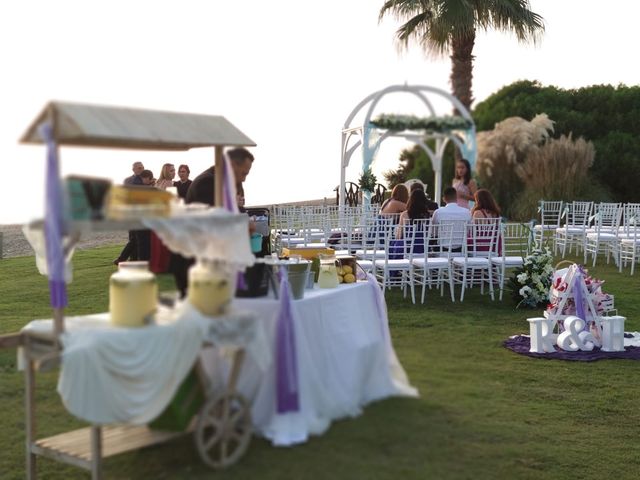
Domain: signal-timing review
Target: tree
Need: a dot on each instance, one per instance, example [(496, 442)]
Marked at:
[(606, 115), (449, 26)]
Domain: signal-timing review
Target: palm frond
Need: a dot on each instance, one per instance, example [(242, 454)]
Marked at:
[(511, 16)]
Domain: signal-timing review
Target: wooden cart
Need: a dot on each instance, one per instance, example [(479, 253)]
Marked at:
[(223, 427)]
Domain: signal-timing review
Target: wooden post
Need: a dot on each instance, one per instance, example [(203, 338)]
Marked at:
[(58, 313), (29, 409), (96, 452), (58, 325), (219, 176), (238, 360)]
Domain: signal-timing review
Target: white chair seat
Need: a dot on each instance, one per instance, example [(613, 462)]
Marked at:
[(570, 230), (396, 264), (626, 236), (471, 261), (508, 261), (630, 241), (544, 227), (603, 236), (370, 253), (431, 262), (366, 265)]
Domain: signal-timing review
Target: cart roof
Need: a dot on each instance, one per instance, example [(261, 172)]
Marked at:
[(122, 127)]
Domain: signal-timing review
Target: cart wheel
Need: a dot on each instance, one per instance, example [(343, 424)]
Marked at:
[(223, 430)]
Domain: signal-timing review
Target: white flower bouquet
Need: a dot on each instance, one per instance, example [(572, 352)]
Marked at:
[(530, 283)]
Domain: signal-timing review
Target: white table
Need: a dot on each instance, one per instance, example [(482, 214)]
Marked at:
[(344, 355)]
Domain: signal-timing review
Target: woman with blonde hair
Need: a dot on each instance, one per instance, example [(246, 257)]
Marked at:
[(397, 203), (167, 174)]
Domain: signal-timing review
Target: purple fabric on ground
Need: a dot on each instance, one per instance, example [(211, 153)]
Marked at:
[(521, 344)]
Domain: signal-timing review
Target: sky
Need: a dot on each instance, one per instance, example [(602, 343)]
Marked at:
[(286, 72)]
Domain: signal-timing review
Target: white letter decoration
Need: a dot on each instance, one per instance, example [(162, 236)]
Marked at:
[(612, 333), (573, 338), (542, 336)]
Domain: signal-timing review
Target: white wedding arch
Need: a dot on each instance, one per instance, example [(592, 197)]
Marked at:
[(369, 137)]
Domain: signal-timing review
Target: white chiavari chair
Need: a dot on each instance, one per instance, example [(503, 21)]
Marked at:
[(513, 244), (603, 237), (629, 246), (574, 231), (396, 268), (474, 264), (430, 261), (550, 215)]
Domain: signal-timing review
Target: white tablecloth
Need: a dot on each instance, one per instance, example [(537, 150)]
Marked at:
[(344, 355), (129, 375)]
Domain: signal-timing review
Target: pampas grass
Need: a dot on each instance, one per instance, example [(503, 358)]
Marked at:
[(521, 164), (558, 169)]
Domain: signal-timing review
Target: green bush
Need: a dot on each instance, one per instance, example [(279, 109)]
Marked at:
[(606, 115)]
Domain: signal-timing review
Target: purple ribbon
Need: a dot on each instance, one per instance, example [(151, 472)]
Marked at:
[(53, 221), (287, 394), (578, 280), (241, 284)]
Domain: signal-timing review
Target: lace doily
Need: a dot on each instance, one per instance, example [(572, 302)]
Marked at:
[(212, 234)]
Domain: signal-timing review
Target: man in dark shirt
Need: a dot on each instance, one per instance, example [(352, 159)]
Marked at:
[(130, 250), (202, 190), (135, 178)]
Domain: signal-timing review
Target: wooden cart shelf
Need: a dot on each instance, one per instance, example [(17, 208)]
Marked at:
[(63, 123), (74, 447)]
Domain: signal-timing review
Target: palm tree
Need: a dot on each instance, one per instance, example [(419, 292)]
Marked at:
[(449, 26)]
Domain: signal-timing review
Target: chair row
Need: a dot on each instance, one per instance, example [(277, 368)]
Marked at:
[(594, 229), (429, 255)]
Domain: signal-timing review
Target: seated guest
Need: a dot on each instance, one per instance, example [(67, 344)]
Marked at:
[(397, 203), (452, 212), (416, 209), (485, 205), (431, 206)]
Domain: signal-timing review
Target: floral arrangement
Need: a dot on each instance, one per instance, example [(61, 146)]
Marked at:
[(367, 181), (601, 300), (530, 283), (399, 123)]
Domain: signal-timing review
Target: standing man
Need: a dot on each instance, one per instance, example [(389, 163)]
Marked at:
[(130, 250), (202, 188), (202, 191), (135, 179)]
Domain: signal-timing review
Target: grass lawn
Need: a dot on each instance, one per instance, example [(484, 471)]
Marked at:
[(484, 412)]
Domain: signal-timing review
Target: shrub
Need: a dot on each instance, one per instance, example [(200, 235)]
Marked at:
[(606, 115)]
